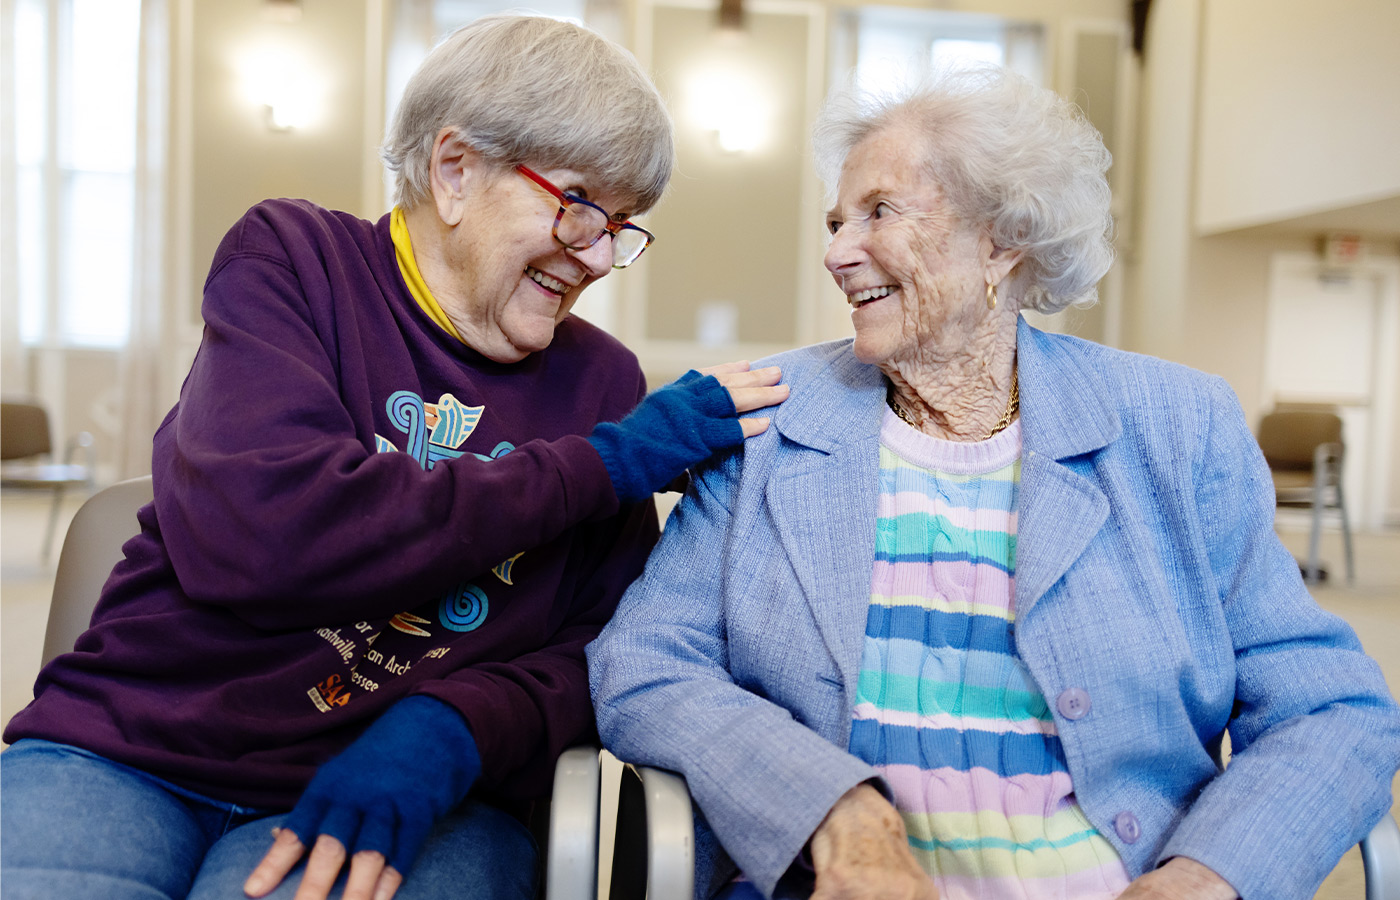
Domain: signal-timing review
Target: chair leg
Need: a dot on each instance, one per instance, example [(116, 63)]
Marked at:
[(1346, 535), (53, 524), (1315, 538)]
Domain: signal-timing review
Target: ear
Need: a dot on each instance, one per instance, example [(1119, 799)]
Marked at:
[(1000, 261), (453, 165)]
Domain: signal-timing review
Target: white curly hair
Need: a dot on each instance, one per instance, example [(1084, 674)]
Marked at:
[(1007, 154)]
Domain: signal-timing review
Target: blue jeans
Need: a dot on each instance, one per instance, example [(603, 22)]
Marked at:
[(75, 824)]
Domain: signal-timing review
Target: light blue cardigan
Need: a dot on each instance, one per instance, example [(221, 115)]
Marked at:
[(1148, 576)]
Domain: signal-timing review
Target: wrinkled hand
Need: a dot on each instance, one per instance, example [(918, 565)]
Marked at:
[(370, 877), (750, 389), (861, 850), (1180, 878)]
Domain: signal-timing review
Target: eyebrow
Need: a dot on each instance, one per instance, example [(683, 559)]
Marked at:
[(864, 200)]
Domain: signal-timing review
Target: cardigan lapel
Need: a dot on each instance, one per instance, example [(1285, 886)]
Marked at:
[(824, 496), (1065, 413)]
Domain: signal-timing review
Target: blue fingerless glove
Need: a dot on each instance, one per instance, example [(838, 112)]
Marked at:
[(672, 429), (386, 790)]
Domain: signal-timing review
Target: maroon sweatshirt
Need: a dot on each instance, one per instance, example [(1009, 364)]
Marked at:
[(352, 506)]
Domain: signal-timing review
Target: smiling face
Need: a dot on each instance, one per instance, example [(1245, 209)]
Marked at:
[(914, 273), (504, 281)]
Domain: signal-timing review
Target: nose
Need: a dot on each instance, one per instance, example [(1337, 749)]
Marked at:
[(845, 254), (597, 259)]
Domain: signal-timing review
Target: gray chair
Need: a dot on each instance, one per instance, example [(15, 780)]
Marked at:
[(568, 822), (1305, 451), (92, 546), (26, 458), (654, 813)]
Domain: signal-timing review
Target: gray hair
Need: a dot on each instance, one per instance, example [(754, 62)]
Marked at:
[(530, 89), (1007, 154)]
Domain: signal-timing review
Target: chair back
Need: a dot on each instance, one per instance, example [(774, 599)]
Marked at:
[(92, 547), (24, 430), (1288, 438)]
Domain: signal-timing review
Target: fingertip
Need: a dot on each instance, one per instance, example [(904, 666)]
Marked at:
[(389, 881), (753, 427), (255, 886)]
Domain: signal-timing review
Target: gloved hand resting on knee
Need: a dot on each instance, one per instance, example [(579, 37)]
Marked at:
[(376, 802)]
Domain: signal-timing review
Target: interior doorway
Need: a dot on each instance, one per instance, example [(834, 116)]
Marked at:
[(1332, 339)]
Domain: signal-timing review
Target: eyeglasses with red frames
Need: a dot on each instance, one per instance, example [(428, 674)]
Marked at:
[(581, 224)]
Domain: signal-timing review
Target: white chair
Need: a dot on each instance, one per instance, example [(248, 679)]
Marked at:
[(93, 545), (654, 848)]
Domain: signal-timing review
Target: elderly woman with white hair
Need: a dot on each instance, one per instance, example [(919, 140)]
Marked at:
[(973, 618), (401, 491)]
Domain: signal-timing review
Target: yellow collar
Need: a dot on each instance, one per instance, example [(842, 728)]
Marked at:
[(408, 267)]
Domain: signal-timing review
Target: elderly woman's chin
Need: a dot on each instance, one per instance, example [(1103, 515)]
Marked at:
[(879, 332), (525, 326)]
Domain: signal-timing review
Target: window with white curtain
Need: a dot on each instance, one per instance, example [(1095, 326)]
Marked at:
[(892, 44), (74, 70)]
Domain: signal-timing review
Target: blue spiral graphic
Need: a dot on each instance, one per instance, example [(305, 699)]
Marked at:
[(464, 609), (405, 410)]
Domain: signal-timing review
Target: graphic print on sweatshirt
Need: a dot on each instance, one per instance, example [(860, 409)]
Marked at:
[(434, 432)]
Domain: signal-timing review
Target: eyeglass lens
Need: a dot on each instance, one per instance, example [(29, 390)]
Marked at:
[(582, 225)]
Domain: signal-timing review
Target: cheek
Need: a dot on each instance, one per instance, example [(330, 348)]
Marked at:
[(932, 287), (496, 266)]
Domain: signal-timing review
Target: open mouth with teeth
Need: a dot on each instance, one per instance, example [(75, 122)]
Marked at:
[(860, 298), (553, 285)]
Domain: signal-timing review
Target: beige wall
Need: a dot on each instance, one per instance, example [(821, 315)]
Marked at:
[(1199, 295), (1226, 307), (728, 230), (237, 160), (1299, 108)]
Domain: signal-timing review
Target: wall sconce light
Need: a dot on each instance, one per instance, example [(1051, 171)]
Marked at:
[(730, 100), (276, 74), (279, 79)]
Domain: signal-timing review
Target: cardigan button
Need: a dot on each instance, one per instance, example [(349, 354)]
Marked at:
[(1073, 704), (1126, 824)]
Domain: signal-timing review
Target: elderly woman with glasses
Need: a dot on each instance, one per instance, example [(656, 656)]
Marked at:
[(973, 618), (401, 491)]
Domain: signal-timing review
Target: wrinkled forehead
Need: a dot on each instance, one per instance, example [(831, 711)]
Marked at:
[(888, 163)]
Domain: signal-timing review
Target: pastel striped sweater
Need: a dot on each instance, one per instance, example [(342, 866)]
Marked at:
[(945, 709)]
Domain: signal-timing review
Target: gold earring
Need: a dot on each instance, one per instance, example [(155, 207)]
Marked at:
[(991, 296)]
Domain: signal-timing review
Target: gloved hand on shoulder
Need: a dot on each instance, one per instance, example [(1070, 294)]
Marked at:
[(673, 428)]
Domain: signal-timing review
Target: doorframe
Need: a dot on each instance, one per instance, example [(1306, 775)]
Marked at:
[(1384, 376)]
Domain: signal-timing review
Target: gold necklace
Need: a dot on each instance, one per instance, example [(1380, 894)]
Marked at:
[(1012, 406)]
